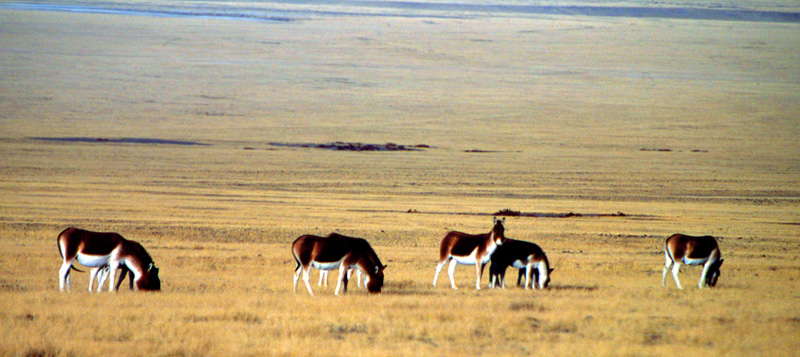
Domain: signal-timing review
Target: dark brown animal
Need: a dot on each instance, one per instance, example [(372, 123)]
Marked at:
[(528, 257), (469, 249), (683, 249), (337, 251), (100, 250)]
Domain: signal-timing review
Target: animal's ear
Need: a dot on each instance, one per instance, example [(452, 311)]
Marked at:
[(503, 221), (550, 271), (494, 219), (719, 264)]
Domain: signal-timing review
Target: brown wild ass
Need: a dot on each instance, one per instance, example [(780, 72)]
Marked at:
[(337, 251), (690, 250), (469, 249), (525, 256), (105, 250)]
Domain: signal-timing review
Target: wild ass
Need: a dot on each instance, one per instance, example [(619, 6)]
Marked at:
[(469, 249), (690, 250), (337, 251), (100, 250), (525, 256)]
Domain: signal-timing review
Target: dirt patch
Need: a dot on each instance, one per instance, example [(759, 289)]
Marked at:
[(152, 141), (512, 213), (359, 147)]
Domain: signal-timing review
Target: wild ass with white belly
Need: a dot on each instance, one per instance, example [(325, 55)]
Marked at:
[(469, 249), (105, 250), (683, 249), (528, 257), (337, 251)]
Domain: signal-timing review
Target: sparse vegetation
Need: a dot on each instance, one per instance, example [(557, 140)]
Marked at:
[(565, 102), (507, 212)]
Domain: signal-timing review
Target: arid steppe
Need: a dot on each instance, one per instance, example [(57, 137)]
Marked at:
[(187, 134)]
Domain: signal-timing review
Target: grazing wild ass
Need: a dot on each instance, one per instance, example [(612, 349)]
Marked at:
[(525, 256), (337, 251), (469, 249), (105, 250), (682, 249)]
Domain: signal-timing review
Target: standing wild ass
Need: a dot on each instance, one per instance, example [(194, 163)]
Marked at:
[(337, 251), (469, 249), (105, 250), (690, 250), (525, 256)]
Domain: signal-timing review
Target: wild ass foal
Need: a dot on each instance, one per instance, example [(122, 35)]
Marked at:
[(337, 251), (469, 249), (690, 250), (528, 257), (105, 250)]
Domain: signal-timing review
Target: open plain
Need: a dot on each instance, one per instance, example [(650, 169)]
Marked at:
[(211, 140)]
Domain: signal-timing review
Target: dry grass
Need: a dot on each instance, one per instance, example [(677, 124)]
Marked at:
[(553, 114)]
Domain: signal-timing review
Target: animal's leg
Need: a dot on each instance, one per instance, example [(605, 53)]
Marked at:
[(438, 269), (706, 268), (297, 272), (92, 275), (112, 275), (450, 271), (102, 275), (479, 273), (130, 280), (529, 276), (539, 276), (306, 279), (123, 271), (676, 268), (358, 277), (342, 283), (667, 266), (63, 276), (323, 278)]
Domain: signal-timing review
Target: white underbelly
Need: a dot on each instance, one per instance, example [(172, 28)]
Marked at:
[(472, 258), (518, 264), (697, 261), (326, 266), (93, 260)]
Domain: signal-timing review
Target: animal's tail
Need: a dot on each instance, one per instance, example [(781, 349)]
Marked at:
[(667, 251), (58, 245), (296, 260)]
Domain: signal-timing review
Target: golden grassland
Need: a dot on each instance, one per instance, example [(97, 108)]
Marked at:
[(683, 126)]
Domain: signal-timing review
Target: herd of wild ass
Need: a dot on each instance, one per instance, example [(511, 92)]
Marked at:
[(104, 253)]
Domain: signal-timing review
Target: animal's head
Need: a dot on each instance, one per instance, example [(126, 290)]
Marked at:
[(546, 283), (713, 273), (498, 231), (149, 280), (375, 281)]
